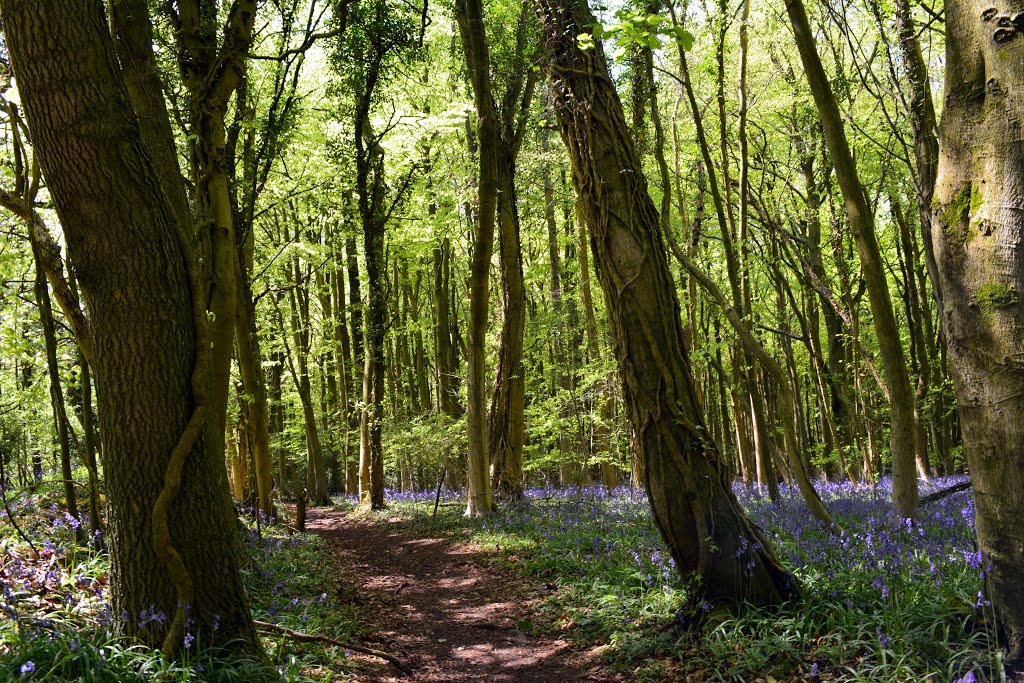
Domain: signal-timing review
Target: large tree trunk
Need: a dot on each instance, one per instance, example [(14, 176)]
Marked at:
[(686, 482), (172, 531), (862, 224), (979, 249)]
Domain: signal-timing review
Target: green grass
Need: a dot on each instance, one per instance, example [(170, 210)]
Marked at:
[(885, 602)]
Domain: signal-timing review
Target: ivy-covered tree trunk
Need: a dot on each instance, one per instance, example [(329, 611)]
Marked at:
[(978, 238), (172, 532), (688, 485)]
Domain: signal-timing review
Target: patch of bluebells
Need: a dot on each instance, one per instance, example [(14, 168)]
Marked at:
[(884, 570), (591, 525), (888, 553), (277, 587)]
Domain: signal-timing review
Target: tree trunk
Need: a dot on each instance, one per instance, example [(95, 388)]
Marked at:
[(250, 367), (507, 427), (689, 489), (474, 40), (445, 381), (60, 415), (862, 224), (979, 249), (370, 188), (298, 303), (172, 532)]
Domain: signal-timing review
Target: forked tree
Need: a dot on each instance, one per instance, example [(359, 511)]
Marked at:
[(172, 529)]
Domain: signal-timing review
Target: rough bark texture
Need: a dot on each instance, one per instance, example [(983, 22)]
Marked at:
[(127, 248), (688, 486), (979, 248)]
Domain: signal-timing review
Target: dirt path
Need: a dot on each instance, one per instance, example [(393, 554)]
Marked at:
[(433, 604)]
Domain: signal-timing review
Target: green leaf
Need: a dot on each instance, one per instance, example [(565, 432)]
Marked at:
[(684, 37)]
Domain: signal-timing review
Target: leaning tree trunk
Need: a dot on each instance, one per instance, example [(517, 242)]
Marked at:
[(979, 248), (172, 532), (862, 224), (686, 481)]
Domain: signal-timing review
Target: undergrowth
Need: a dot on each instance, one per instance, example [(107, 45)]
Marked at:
[(56, 622), (886, 600)]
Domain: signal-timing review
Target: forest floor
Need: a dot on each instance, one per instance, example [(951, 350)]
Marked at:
[(446, 608)]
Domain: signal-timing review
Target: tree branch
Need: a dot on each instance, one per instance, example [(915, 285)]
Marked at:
[(307, 638)]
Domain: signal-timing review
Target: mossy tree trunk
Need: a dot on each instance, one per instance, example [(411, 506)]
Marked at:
[(979, 250), (686, 481), (172, 533)]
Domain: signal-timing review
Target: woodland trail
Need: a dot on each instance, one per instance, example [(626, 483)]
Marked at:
[(441, 609)]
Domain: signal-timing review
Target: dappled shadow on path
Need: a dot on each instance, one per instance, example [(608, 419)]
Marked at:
[(434, 604)]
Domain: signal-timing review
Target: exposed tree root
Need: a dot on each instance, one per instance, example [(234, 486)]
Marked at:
[(307, 638)]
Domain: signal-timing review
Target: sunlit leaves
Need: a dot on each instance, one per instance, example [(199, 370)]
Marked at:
[(636, 28)]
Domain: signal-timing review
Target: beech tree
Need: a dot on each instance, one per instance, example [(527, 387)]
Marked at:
[(978, 237)]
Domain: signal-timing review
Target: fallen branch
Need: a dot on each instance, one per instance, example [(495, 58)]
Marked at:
[(307, 638), (942, 493)]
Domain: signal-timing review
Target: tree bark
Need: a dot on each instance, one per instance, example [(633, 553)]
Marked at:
[(370, 188), (298, 303), (694, 507), (979, 249), (171, 526), (469, 13), (60, 414)]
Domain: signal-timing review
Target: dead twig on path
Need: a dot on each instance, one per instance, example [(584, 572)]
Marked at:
[(308, 638)]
